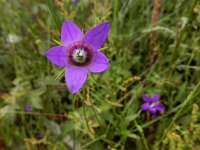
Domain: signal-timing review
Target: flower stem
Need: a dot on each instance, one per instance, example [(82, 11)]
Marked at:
[(60, 73), (86, 119), (103, 48), (142, 135)]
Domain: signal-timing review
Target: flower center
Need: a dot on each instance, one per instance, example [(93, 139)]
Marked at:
[(79, 54), (152, 105)]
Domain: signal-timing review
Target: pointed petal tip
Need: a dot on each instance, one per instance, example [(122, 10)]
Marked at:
[(70, 33), (106, 23), (145, 97), (73, 90), (75, 78), (96, 35), (155, 97)]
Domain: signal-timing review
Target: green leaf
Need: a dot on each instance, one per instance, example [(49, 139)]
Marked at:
[(36, 103)]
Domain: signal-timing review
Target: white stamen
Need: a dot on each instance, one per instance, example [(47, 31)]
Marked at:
[(152, 105), (81, 53)]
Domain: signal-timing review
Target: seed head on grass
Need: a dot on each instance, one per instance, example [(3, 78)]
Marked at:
[(151, 103), (80, 54)]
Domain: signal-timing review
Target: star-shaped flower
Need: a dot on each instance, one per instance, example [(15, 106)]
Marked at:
[(151, 103), (80, 54)]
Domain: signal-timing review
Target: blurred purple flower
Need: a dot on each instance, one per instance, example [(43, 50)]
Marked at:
[(151, 103), (27, 108), (74, 2), (79, 53)]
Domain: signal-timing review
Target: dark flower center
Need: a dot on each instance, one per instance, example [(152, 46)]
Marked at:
[(79, 54)]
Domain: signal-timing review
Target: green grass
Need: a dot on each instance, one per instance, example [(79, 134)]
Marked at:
[(105, 113)]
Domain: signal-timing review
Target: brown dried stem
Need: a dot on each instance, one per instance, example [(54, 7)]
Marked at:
[(153, 36)]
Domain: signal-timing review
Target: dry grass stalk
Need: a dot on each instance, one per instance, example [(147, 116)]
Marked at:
[(152, 37)]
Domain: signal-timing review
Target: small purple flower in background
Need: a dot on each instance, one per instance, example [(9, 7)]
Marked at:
[(151, 103), (79, 53), (27, 108), (74, 2)]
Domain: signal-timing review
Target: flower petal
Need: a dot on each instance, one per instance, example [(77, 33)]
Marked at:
[(145, 106), (100, 63), (160, 107), (70, 33), (75, 78), (153, 111), (96, 36), (146, 98), (57, 55), (155, 97)]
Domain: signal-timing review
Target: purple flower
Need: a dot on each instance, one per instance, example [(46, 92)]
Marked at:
[(27, 108), (151, 103), (74, 2), (79, 53)]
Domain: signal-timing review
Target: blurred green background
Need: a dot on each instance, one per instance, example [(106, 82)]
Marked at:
[(153, 47)]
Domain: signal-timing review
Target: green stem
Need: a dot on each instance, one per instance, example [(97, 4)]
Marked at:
[(103, 48), (93, 141), (116, 4), (85, 116), (142, 135), (60, 73)]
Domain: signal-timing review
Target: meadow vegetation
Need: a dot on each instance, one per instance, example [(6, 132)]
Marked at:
[(153, 47)]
